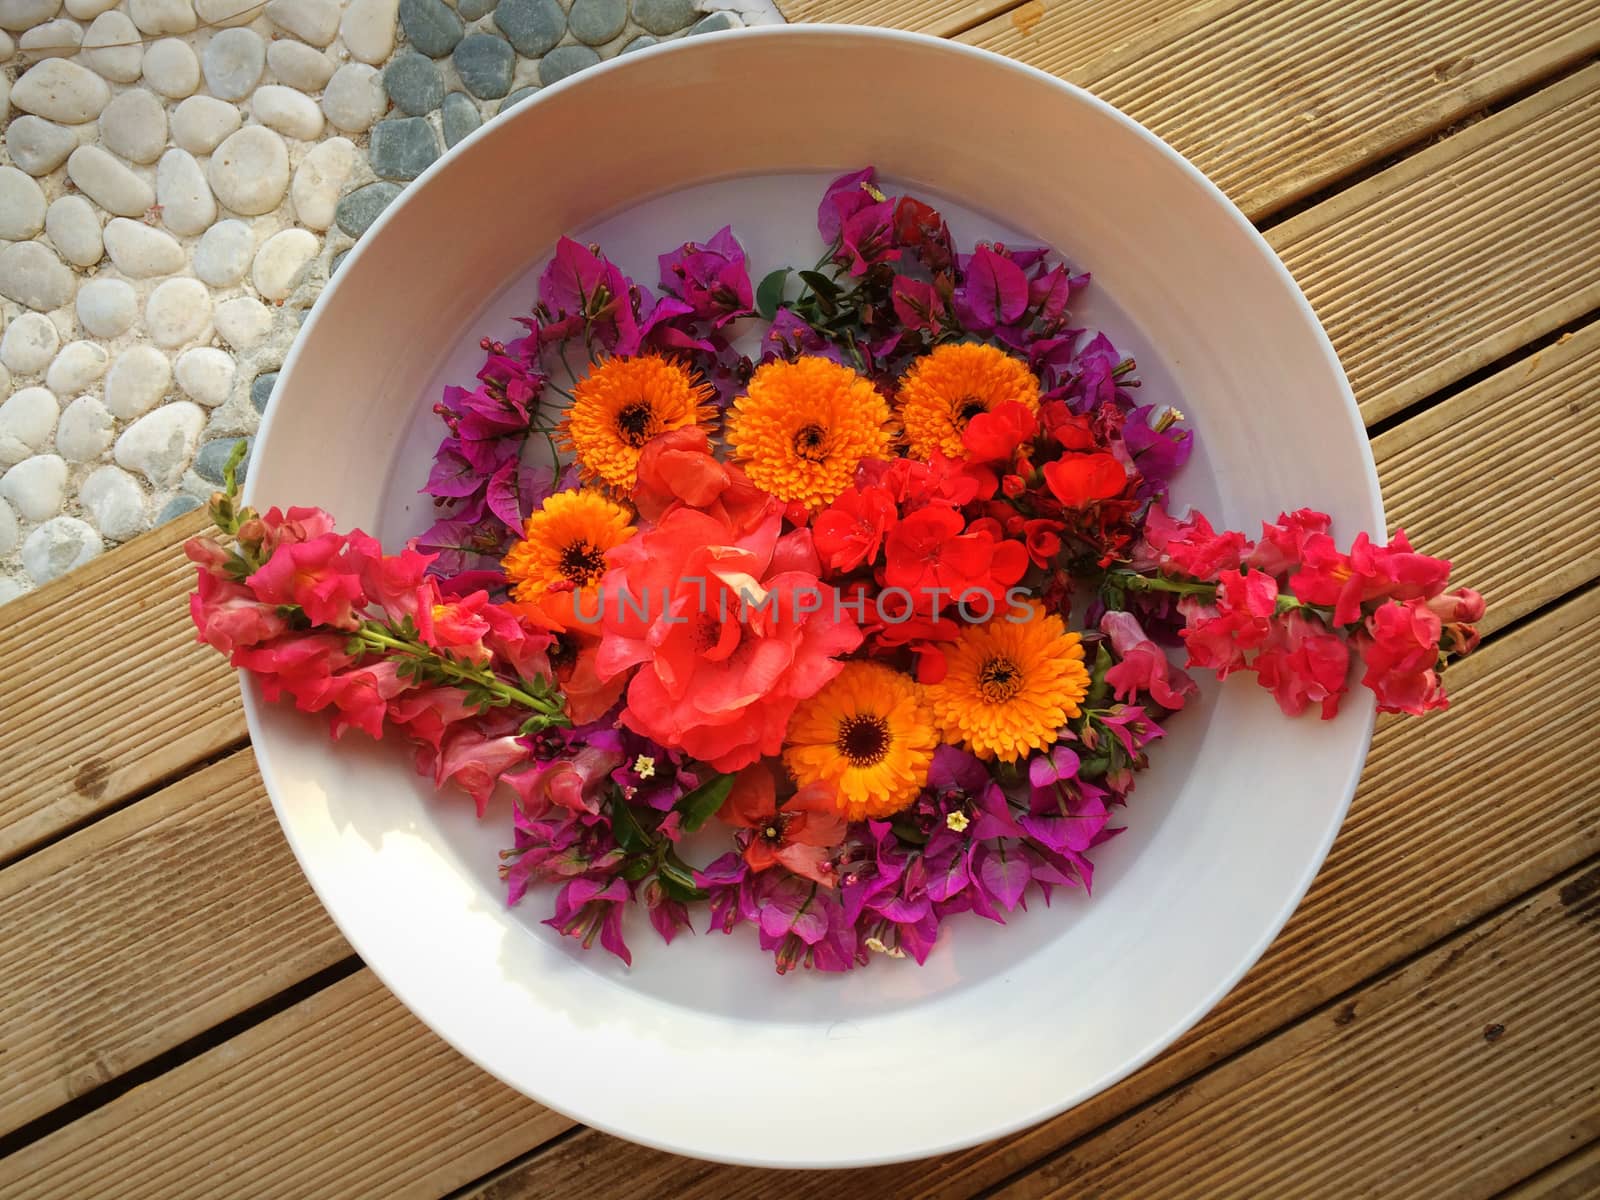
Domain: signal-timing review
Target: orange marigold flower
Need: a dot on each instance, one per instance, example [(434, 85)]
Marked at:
[(869, 735), (1010, 686), (803, 427), (556, 567), (942, 391), (624, 402)]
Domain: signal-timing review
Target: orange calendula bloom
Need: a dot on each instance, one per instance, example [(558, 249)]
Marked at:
[(624, 402), (557, 566), (869, 735), (803, 427), (942, 391), (1010, 686)]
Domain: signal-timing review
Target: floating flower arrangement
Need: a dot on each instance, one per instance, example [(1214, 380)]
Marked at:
[(881, 613)]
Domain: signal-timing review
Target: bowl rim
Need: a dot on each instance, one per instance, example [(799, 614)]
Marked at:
[(889, 38)]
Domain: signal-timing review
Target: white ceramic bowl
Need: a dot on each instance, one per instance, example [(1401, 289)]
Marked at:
[(700, 1048)]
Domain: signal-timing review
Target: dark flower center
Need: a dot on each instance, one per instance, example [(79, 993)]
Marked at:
[(999, 679), (811, 443), (775, 828), (635, 423), (864, 739), (583, 563), (967, 408), (563, 653)]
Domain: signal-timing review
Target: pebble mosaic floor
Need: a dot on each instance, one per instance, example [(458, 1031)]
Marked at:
[(179, 179)]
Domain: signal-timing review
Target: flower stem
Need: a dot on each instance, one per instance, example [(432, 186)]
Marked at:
[(374, 636)]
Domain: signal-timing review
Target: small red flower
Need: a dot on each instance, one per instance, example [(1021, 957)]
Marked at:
[(1400, 647), (800, 835), (850, 531), (1368, 572), (994, 436), (1079, 480), (1191, 547)]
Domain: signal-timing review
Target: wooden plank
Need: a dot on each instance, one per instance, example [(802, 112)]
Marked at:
[(1456, 1076), (68, 1029), (938, 17), (1573, 1178), (1529, 534), (1431, 843), (1456, 256), (1275, 99), (106, 693), (146, 929), (344, 1095)]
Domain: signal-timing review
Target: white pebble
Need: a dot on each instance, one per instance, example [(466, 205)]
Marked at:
[(139, 251), (134, 125), (24, 14), (184, 195), (108, 183), (160, 444), (106, 307), (243, 321), (206, 374), (280, 262), (77, 366), (162, 16), (8, 543), (354, 97), (299, 66), (291, 113), (5, 92), (53, 39), (61, 91), (107, 51), (171, 68), (178, 311), (314, 21), (221, 14), (71, 224), (21, 206), (37, 146), (223, 255), (201, 122), (26, 420), (36, 486), (232, 62), (139, 379), (88, 10), (7, 48), (85, 430), (29, 344), (250, 171), (319, 179), (368, 29), (31, 274), (116, 501), (58, 546)]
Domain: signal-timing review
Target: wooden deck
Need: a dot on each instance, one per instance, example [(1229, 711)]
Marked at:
[(181, 1018)]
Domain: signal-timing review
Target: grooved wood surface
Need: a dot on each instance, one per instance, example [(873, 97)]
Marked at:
[(1387, 891), (105, 693), (345, 1094), (190, 907), (1424, 1026), (1276, 98)]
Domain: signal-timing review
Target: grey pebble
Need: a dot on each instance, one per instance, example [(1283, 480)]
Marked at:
[(533, 26), (401, 148), (642, 42), (663, 16), (413, 83), (516, 97), (213, 457), (431, 26), (471, 10), (261, 386), (460, 117), (597, 21), (338, 261), (176, 507), (361, 207), (715, 23), (564, 61), (485, 63)]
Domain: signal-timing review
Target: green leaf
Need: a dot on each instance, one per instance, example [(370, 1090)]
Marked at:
[(630, 836), (907, 832), (636, 869), (700, 805), (821, 284), (1099, 690), (769, 293), (677, 881)]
